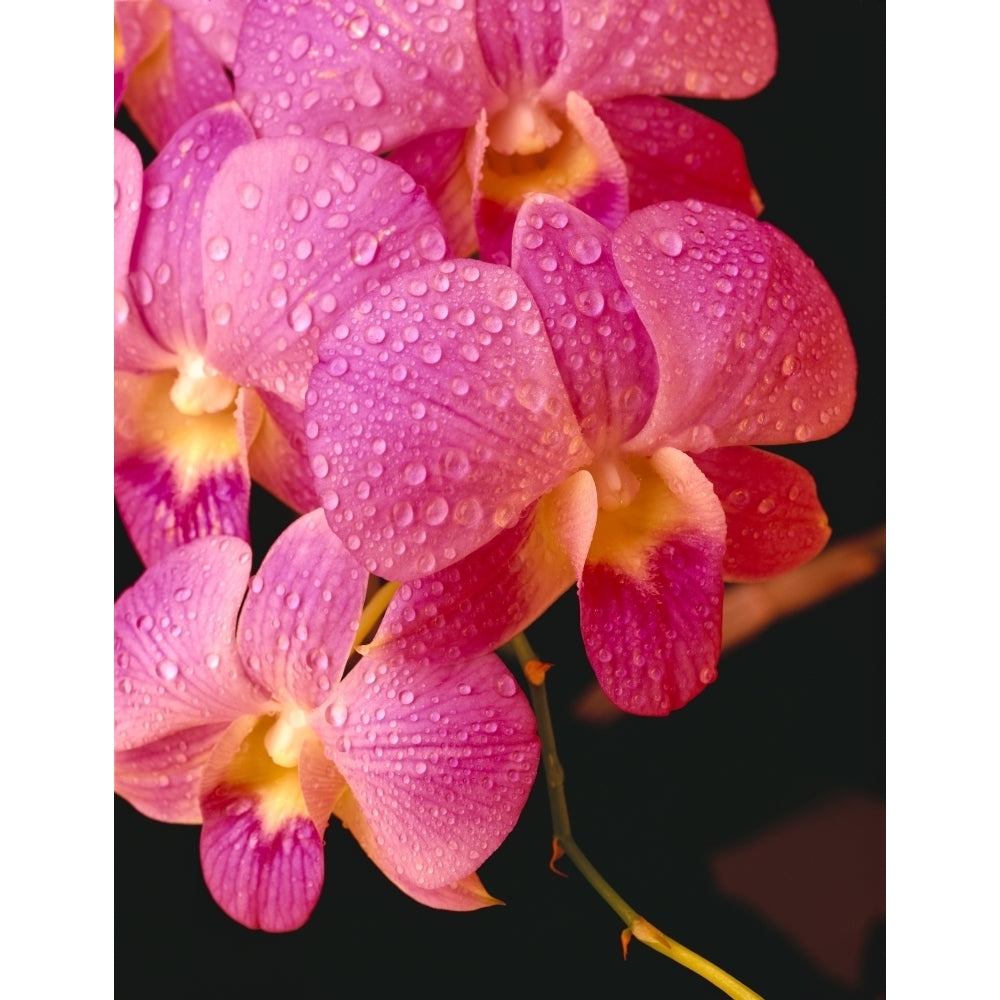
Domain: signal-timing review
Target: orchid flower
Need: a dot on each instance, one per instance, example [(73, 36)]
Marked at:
[(211, 372), (587, 417), (236, 712), (486, 101), (171, 59)]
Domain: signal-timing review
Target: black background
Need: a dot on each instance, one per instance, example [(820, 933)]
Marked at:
[(795, 719)]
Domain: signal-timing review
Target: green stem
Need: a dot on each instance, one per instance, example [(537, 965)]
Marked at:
[(635, 925)]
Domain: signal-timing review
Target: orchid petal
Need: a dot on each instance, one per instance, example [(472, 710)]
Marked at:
[(216, 22), (294, 230), (176, 666), (489, 596), (651, 592), (583, 168), (355, 78), (167, 272), (603, 351), (161, 779), (440, 758), (135, 350), (753, 346), (672, 152), (467, 419), (189, 471), (174, 82), (298, 624), (635, 47), (463, 895), (261, 854), (277, 457), (774, 521), (440, 163), (521, 43)]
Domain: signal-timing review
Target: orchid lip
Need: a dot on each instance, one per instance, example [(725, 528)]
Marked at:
[(524, 128)]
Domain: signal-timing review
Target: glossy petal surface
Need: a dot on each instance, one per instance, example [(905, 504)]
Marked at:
[(294, 230), (752, 345), (466, 417)]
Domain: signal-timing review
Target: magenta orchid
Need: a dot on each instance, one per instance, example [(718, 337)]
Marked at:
[(233, 710), (586, 417), (486, 101), (171, 59), (228, 254)]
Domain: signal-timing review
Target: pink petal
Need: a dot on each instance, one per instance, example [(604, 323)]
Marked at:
[(672, 153), (701, 49), (521, 43), (463, 895), (177, 477), (651, 592), (298, 624), (483, 600), (752, 344), (462, 418), (263, 879), (583, 168), (173, 83), (167, 273), (176, 666), (363, 78), (601, 347), (278, 457), (216, 22), (774, 521), (161, 779), (135, 350), (440, 758), (438, 162), (295, 229)]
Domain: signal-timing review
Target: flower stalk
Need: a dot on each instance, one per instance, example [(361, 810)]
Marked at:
[(564, 843)]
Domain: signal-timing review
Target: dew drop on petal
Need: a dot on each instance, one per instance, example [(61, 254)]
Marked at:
[(669, 241)]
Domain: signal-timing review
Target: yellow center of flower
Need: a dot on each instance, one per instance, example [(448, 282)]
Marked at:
[(283, 741)]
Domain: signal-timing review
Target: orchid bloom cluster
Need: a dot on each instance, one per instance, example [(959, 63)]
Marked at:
[(459, 285)]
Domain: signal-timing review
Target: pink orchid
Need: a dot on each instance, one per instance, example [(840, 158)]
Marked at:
[(228, 254), (171, 59), (486, 101), (233, 710), (586, 418)]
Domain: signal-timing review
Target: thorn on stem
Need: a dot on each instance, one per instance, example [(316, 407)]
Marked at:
[(557, 853), (535, 671)]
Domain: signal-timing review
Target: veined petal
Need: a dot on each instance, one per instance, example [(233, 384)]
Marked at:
[(178, 79), (167, 272), (161, 779), (135, 350), (463, 895), (355, 77), (493, 593), (753, 346), (461, 417), (672, 152), (439, 162), (298, 624), (294, 231), (177, 477), (261, 854), (216, 22), (176, 665), (582, 167), (651, 592), (278, 458), (701, 49), (440, 758), (603, 351), (521, 43), (774, 521)]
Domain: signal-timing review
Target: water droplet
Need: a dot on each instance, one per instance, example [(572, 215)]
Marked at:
[(406, 697), (669, 241), (464, 689), (590, 302), (158, 196), (167, 669), (299, 46), (585, 249), (363, 248), (300, 318), (249, 195), (183, 594), (336, 714), (217, 248), (506, 686)]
